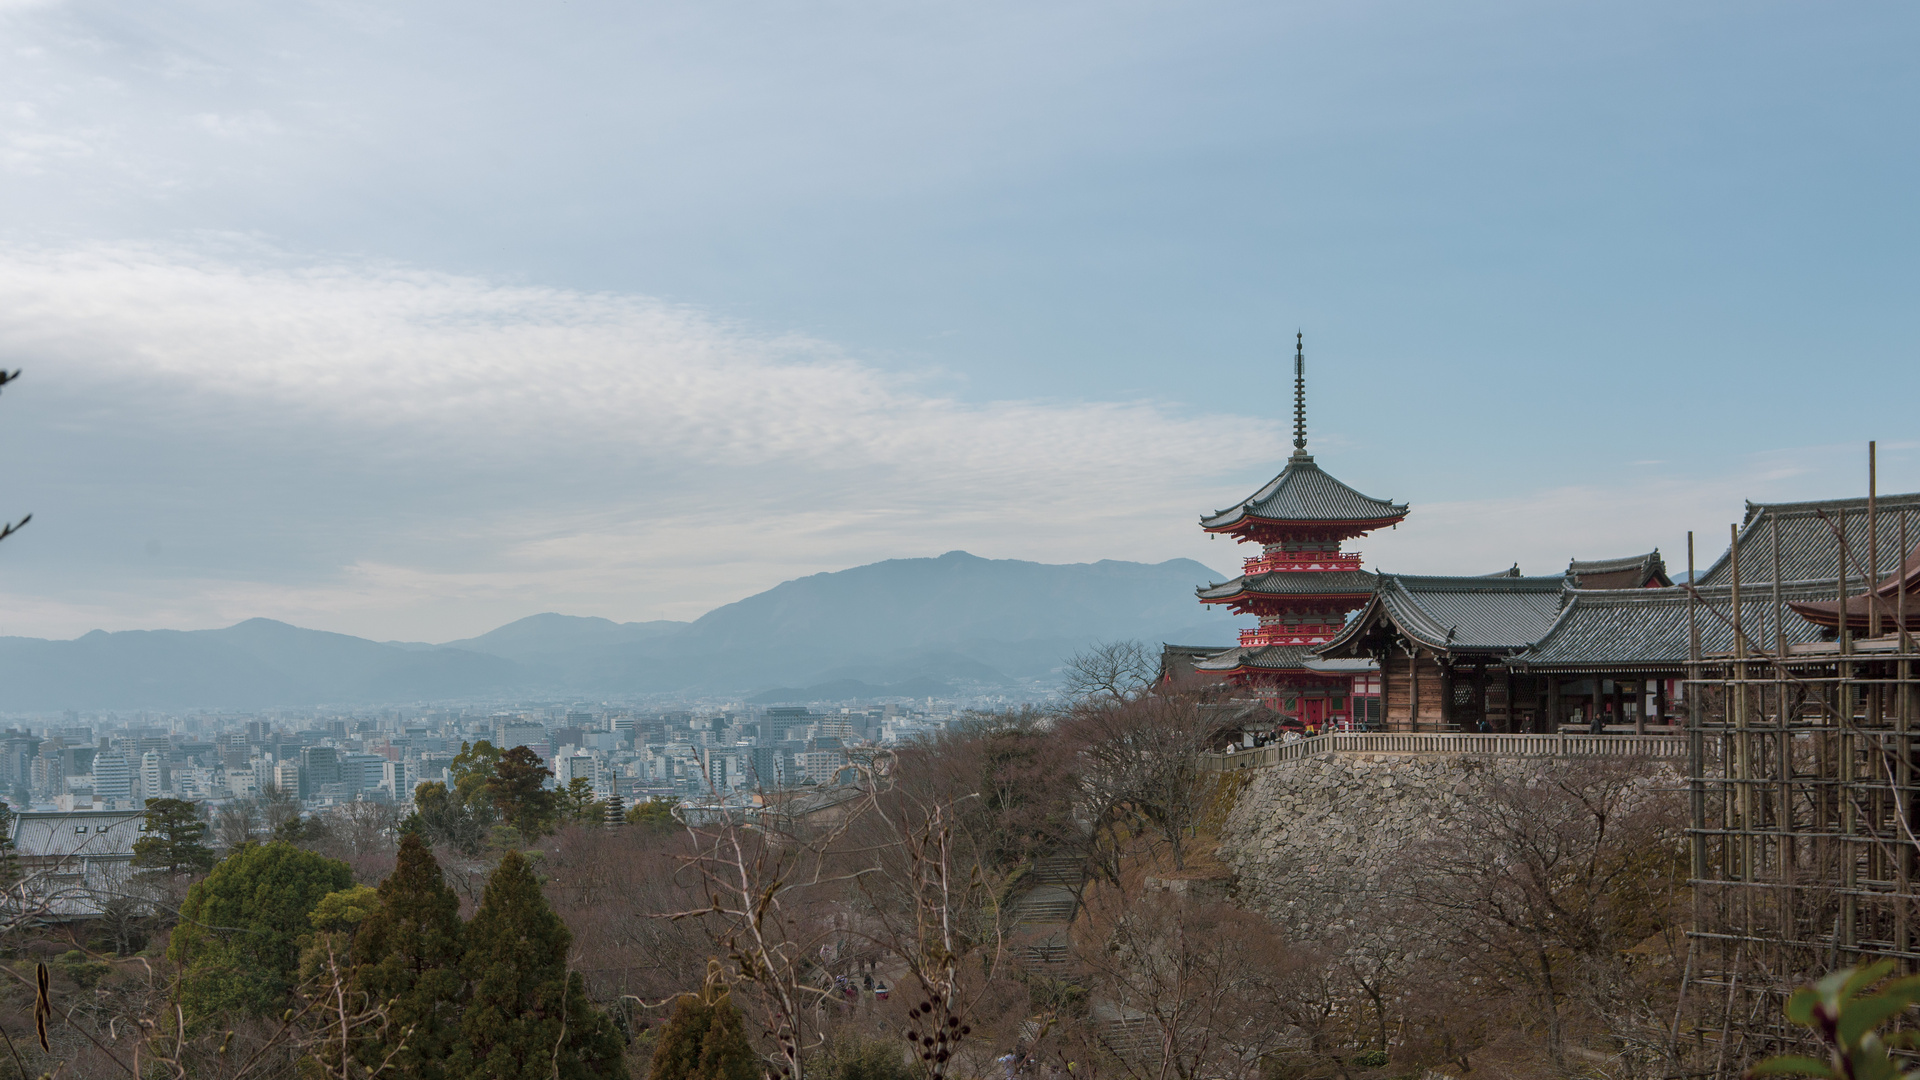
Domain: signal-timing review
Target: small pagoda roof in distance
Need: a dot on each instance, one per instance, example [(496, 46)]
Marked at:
[(1304, 492), (1631, 572)]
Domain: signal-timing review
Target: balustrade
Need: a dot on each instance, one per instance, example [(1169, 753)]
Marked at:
[(1297, 634), (1301, 560)]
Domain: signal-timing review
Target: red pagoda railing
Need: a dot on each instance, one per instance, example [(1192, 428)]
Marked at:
[(1302, 560), (1301, 634)]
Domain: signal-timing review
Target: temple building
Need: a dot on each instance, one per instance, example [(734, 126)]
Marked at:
[(1301, 586), (1606, 645)]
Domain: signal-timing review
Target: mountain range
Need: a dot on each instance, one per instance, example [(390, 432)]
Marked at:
[(902, 627)]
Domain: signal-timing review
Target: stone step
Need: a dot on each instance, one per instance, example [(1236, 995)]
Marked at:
[(1059, 870)]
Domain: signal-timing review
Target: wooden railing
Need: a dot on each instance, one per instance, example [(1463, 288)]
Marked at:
[(1301, 560), (1279, 634), (1409, 742)]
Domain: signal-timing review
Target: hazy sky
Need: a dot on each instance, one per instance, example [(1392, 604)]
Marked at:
[(407, 319)]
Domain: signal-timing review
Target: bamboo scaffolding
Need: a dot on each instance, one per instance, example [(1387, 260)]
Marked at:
[(1803, 799)]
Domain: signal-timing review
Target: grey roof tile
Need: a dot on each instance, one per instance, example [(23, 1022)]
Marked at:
[(1809, 550), (1305, 492), (1647, 628), (1294, 583)]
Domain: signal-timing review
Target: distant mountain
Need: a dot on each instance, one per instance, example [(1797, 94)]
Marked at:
[(252, 664), (953, 622)]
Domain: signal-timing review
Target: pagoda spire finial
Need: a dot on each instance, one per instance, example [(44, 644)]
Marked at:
[(1299, 395)]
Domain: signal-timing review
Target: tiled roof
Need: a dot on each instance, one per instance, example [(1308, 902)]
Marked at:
[(1472, 614), (1631, 572), (1294, 583), (1267, 657), (1647, 628), (1304, 492), (1809, 550)]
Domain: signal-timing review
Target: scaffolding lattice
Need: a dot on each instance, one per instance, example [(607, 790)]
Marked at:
[(1804, 806)]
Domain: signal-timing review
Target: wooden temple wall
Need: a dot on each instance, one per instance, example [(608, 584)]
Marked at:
[(1397, 674)]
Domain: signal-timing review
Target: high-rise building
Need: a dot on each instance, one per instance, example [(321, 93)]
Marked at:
[(318, 765), (286, 777), (154, 778), (113, 778), (765, 763)]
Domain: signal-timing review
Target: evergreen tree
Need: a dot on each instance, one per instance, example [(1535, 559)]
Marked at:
[(705, 1040), (238, 942), (577, 802), (408, 953), (519, 791), (528, 1017), (173, 841)]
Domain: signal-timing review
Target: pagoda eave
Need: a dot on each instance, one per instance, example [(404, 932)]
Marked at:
[(1255, 529), (1257, 604)]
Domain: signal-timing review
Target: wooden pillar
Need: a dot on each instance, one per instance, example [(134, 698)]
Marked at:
[(1599, 715), (1553, 705), (1413, 691), (1446, 694), (1660, 700), (1640, 708)]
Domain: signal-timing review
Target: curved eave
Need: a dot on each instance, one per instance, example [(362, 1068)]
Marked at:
[(1238, 589), (1355, 627), (1237, 519)]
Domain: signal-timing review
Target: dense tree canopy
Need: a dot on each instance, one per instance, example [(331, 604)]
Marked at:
[(238, 942)]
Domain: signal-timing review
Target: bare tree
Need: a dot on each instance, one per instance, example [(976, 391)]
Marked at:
[(884, 880), (1138, 762), (1108, 671), (1183, 988), (238, 821), (1545, 882)]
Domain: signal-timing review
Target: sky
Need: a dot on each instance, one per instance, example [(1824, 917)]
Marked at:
[(409, 319)]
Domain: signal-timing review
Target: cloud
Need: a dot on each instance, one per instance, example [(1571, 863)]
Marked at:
[(215, 432), (494, 444)]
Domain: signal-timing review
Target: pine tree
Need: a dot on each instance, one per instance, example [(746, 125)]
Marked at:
[(528, 1016), (519, 792), (705, 1040), (408, 952), (172, 844)]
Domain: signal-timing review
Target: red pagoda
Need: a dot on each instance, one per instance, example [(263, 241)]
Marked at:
[(1302, 586)]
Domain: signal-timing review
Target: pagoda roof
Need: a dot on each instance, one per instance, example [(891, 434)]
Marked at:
[(1460, 614), (1304, 492), (1647, 629), (1629, 572), (1293, 583), (1809, 550), (1296, 658)]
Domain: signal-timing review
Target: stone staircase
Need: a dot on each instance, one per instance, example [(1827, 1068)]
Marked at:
[(1046, 908)]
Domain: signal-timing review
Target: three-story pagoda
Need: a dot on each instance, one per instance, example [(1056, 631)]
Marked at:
[(1302, 585)]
